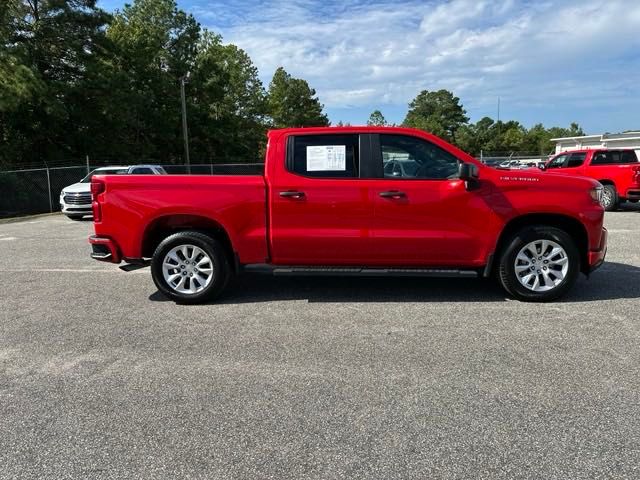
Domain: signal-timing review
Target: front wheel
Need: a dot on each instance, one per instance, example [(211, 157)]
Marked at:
[(539, 264), (190, 267)]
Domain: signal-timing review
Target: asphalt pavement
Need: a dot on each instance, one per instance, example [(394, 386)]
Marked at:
[(312, 378)]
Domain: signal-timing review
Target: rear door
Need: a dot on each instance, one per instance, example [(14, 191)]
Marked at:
[(320, 211)]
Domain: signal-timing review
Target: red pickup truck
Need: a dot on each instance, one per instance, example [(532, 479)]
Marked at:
[(354, 201), (617, 170)]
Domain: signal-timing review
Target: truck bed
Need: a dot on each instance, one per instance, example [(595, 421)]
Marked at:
[(141, 202)]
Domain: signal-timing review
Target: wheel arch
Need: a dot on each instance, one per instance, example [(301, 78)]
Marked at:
[(571, 225), (606, 181), (163, 226)]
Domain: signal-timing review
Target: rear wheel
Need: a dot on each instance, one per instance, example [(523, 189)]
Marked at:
[(539, 264), (190, 267), (610, 198)]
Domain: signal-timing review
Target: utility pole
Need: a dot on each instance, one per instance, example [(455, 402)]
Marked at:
[(185, 132), (498, 122)]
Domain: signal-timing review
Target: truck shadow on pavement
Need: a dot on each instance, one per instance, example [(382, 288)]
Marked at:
[(611, 281)]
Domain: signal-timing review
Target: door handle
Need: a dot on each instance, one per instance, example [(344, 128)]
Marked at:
[(292, 194), (393, 194)]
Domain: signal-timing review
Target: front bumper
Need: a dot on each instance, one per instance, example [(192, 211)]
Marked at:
[(596, 257), (104, 249), (76, 209)]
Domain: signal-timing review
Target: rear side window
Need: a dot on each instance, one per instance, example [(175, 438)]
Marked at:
[(614, 157), (142, 171), (325, 156), (629, 156), (576, 160)]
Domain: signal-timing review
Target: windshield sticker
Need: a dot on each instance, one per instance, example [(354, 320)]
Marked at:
[(326, 158)]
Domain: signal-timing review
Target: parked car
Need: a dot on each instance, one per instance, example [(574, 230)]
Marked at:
[(75, 200), (515, 164), (325, 206), (617, 170)]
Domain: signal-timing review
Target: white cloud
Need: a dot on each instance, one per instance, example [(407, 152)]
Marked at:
[(385, 52)]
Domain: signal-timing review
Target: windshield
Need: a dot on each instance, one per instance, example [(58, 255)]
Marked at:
[(103, 171)]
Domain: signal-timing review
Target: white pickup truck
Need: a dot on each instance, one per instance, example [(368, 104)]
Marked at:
[(75, 200)]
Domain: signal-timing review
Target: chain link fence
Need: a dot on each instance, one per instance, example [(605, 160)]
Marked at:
[(37, 190)]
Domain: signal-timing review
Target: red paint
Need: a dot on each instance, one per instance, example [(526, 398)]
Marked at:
[(346, 221), (625, 177)]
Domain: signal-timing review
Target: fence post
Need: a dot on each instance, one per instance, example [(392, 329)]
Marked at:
[(49, 190), (88, 165)]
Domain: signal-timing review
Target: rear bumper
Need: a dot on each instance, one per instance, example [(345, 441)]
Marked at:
[(104, 249), (596, 257), (633, 194)]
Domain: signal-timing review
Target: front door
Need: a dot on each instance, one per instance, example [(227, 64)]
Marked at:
[(423, 213)]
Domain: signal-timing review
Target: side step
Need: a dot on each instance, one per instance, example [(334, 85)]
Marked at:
[(361, 271)]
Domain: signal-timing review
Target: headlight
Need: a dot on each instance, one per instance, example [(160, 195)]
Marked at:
[(597, 193)]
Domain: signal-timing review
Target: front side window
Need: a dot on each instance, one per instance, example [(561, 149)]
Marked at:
[(557, 162), (414, 158), (325, 156)]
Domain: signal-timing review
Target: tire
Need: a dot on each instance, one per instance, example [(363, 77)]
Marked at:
[(610, 199), (76, 218), (187, 282), (515, 274)]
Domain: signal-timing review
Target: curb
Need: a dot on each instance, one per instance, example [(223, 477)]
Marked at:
[(27, 218)]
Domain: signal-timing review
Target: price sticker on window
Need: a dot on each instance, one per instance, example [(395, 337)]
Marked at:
[(323, 158)]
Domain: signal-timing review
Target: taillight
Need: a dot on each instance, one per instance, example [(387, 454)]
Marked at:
[(97, 211), (636, 174), (597, 194), (97, 187)]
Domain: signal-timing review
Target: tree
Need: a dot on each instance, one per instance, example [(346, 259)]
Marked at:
[(376, 119), (292, 103), (437, 112), (228, 103), (156, 46), (47, 53)]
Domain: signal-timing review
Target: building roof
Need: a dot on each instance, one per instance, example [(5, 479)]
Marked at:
[(608, 137)]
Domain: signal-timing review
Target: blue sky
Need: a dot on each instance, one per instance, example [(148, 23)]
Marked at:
[(552, 62)]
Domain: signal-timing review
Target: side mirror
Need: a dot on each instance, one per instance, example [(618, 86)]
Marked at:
[(470, 174), (542, 166)]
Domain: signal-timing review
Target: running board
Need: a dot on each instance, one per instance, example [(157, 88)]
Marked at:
[(361, 271)]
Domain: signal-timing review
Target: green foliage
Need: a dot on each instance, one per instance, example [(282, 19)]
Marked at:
[(292, 103), (75, 80), (47, 52), (506, 137), (376, 119), (437, 112)]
